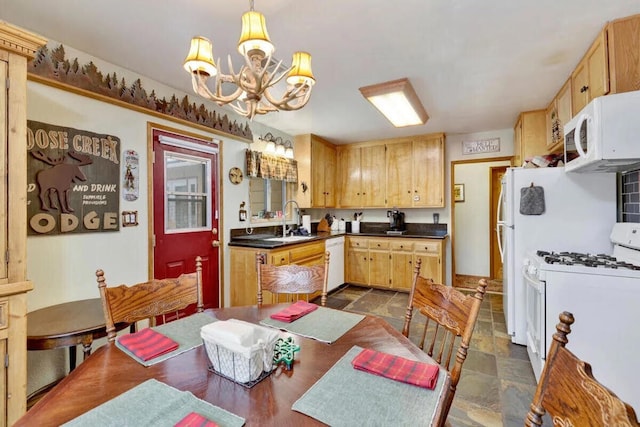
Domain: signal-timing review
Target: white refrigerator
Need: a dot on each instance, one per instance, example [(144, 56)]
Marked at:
[(580, 210)]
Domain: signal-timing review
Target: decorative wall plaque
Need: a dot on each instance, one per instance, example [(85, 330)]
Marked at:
[(73, 180), (481, 146)]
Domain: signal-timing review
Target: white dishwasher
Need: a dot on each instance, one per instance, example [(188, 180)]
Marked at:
[(335, 247)]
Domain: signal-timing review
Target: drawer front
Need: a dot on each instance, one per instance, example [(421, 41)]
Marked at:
[(379, 244), (312, 250), (400, 246), (358, 243), (427, 247), (279, 258)]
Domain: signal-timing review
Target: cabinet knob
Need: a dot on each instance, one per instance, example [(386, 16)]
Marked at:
[(583, 89), (358, 194)]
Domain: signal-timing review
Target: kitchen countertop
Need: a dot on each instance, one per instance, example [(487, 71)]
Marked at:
[(261, 240)]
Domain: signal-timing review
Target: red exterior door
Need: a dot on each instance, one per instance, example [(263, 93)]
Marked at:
[(185, 210)]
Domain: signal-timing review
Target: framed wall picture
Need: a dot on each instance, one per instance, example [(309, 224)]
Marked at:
[(458, 192)]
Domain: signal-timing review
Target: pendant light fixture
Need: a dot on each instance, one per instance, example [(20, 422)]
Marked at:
[(252, 85)]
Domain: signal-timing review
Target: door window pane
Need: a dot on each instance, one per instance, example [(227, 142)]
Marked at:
[(187, 192)]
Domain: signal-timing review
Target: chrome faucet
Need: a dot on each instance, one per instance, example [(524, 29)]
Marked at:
[(284, 216)]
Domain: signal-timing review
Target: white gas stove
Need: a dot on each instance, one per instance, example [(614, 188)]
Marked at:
[(603, 293)]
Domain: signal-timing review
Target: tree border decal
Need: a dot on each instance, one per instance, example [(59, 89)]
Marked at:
[(51, 64)]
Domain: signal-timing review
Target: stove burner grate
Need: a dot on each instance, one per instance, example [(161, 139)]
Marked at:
[(582, 259)]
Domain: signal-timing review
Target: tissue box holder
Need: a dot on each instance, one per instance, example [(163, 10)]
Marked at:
[(237, 367)]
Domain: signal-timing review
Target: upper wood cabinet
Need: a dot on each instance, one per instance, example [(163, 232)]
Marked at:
[(610, 65), (558, 113), (400, 172), (529, 137), (590, 78), (415, 172), (428, 172), (317, 170), (361, 181), (16, 48)]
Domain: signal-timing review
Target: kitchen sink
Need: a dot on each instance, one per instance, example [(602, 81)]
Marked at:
[(290, 238)]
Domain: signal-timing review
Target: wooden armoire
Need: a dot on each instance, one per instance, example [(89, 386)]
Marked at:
[(17, 47)]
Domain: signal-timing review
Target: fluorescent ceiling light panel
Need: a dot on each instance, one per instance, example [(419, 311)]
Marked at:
[(397, 101)]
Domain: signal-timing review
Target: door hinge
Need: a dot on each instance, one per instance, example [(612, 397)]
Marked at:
[(6, 360), (7, 83)]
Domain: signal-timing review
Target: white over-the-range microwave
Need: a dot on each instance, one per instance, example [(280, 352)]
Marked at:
[(609, 135)]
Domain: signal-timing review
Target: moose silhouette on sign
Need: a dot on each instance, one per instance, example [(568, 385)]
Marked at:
[(59, 178)]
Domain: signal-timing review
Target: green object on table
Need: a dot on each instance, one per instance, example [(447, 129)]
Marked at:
[(285, 351)]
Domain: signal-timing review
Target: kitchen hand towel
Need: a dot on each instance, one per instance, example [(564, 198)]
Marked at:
[(294, 311), (194, 419), (397, 368), (147, 344), (532, 200)]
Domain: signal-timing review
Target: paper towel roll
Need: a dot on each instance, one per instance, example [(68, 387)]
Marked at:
[(306, 222), (355, 226)]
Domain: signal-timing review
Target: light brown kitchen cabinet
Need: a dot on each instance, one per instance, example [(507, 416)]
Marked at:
[(415, 172), (16, 48), (623, 44), (558, 113), (316, 159), (610, 65), (401, 264), (590, 78), (431, 254), (357, 261), (379, 267), (529, 137), (428, 172), (389, 262), (244, 285), (400, 174), (361, 182)]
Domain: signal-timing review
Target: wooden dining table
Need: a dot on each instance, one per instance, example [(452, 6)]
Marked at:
[(109, 372)]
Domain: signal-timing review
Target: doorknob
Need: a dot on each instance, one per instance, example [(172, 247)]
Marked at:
[(215, 243)]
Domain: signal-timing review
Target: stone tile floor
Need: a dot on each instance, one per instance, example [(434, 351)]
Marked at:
[(497, 383)]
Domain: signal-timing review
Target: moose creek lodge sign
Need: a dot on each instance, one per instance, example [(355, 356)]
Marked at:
[(72, 180)]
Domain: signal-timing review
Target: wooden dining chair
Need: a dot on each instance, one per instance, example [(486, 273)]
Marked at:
[(148, 300), (569, 393), (453, 315), (297, 280)]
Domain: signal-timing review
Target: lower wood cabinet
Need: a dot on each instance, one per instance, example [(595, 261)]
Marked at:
[(244, 280), (389, 262)]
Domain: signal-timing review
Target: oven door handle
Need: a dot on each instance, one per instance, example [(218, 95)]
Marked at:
[(536, 284)]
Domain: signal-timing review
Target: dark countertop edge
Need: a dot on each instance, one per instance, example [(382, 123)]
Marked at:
[(265, 244)]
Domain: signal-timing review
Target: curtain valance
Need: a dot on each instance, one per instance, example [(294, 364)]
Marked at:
[(268, 166)]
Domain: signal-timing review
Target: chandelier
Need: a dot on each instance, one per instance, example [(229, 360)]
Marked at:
[(256, 78)]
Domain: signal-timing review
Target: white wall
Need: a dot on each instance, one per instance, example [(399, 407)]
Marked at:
[(472, 220), (471, 234)]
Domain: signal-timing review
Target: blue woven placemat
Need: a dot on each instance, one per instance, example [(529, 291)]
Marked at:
[(345, 396), (324, 324), (185, 331), (156, 404)]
